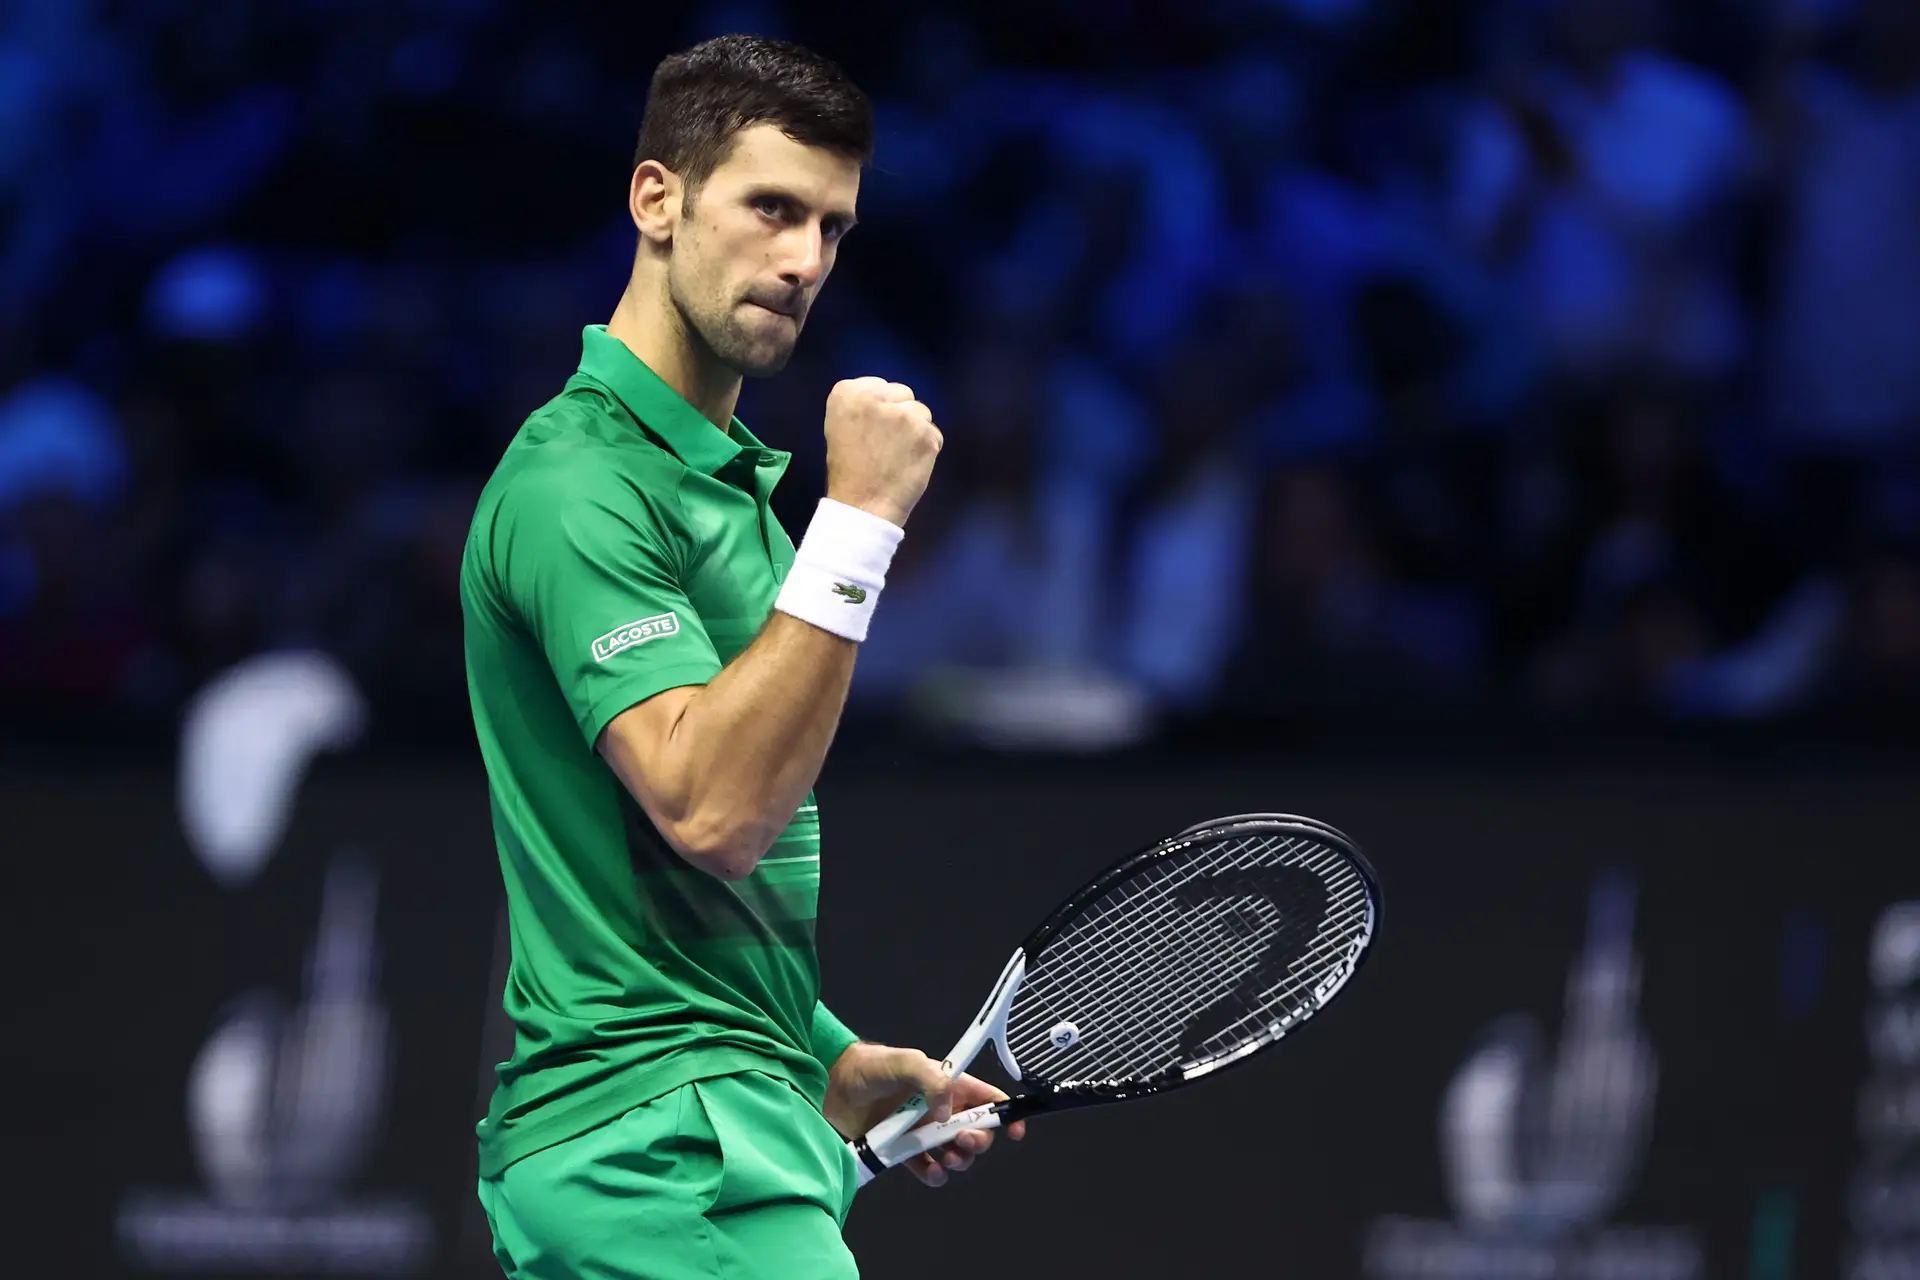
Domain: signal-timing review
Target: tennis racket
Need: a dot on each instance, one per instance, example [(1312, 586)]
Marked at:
[(1188, 957)]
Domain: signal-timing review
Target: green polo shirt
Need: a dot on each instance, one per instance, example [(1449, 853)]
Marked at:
[(623, 547)]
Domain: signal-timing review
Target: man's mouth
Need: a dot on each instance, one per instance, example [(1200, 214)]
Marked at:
[(791, 310)]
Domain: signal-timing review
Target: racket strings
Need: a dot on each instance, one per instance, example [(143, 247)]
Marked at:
[(1158, 972), (1204, 956), (1131, 1026), (1204, 970), (1163, 1019), (1192, 939), (1125, 1026), (1192, 958), (1276, 1008)]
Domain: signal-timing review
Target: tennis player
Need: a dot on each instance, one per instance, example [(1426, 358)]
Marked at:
[(656, 673)]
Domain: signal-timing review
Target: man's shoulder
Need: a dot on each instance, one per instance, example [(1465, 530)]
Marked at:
[(576, 447), (573, 474)]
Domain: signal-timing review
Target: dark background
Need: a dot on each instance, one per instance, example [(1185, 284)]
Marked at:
[(1758, 886), (1492, 428)]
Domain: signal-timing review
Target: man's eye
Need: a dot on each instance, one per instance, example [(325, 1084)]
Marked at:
[(772, 206)]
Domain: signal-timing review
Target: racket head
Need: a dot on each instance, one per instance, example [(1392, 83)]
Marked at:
[(1192, 955)]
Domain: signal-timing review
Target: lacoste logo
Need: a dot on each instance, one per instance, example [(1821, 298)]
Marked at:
[(633, 633), (854, 595)]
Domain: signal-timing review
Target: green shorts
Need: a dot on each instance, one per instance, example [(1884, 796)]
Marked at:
[(737, 1177)]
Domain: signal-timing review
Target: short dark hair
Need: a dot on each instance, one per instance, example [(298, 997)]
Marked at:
[(702, 97)]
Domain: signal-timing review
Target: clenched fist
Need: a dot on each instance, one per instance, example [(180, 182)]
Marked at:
[(881, 444)]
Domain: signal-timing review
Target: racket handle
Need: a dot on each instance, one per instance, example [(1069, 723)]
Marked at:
[(991, 1021), (876, 1159)]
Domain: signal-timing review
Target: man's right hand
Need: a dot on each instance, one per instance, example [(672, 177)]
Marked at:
[(881, 443)]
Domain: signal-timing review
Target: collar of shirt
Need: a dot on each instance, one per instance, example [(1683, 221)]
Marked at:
[(682, 428)]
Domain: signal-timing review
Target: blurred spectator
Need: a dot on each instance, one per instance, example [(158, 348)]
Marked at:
[(1605, 173), (1182, 575), (1672, 566), (1328, 626), (1844, 358), (1302, 356), (68, 624)]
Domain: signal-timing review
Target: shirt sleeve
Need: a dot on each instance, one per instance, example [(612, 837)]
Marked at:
[(587, 567), (830, 1036)]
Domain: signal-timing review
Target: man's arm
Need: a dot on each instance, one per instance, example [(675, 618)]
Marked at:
[(828, 1037), (721, 767)]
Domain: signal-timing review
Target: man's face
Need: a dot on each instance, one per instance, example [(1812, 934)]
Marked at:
[(756, 242)]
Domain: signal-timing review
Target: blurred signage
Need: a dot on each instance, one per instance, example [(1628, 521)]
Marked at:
[(283, 1102), (1884, 1209), (1541, 1144)]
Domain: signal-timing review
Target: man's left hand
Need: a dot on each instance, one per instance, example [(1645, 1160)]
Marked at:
[(869, 1082)]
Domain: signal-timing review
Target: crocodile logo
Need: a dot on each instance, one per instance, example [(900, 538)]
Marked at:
[(854, 595)]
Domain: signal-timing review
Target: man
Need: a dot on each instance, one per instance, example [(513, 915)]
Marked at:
[(656, 674)]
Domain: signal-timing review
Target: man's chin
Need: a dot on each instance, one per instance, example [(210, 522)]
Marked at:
[(763, 364), (761, 359)]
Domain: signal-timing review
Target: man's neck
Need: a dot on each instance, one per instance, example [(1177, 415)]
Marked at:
[(653, 330)]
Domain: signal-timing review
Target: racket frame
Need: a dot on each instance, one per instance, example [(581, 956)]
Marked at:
[(895, 1139)]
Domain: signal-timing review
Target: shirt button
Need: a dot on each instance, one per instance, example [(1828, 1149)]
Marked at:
[(769, 460)]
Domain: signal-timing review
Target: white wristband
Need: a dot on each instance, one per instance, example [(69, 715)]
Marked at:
[(839, 568)]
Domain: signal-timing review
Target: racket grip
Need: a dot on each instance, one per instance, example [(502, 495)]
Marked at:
[(876, 1159)]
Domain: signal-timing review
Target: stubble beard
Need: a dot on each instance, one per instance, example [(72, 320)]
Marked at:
[(716, 332)]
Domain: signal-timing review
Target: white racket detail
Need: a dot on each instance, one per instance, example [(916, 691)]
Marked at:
[(894, 1139)]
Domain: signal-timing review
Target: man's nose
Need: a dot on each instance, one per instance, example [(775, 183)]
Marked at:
[(804, 261)]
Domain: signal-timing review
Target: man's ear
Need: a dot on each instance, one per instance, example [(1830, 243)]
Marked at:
[(654, 198)]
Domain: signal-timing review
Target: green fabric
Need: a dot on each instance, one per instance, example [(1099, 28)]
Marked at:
[(624, 547), (736, 1177), (830, 1036)]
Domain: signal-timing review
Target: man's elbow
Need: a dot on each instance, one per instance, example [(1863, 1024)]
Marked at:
[(724, 849)]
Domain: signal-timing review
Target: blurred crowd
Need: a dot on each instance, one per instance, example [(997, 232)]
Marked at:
[(1297, 358)]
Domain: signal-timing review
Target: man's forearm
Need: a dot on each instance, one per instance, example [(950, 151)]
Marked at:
[(721, 768), (748, 746), (828, 1036)]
